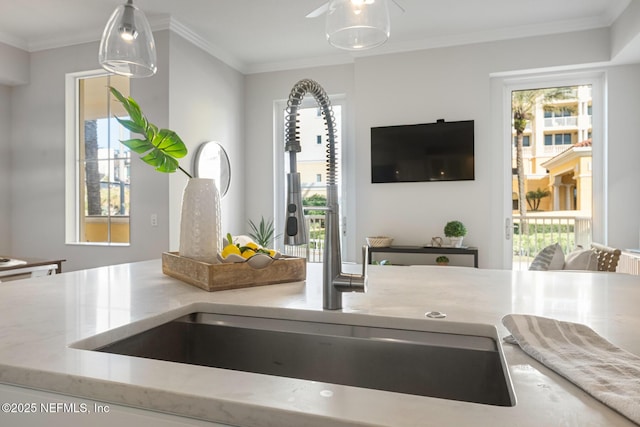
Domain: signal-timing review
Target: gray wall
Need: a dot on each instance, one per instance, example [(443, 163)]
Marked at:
[(206, 104), (38, 163), (14, 67)]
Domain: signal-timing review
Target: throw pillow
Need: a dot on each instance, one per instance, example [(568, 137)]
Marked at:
[(550, 258), (584, 259)]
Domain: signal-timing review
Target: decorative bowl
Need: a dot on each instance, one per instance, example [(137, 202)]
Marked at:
[(257, 261), (379, 241)]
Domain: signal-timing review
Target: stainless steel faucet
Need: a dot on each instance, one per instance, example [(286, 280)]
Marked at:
[(334, 281)]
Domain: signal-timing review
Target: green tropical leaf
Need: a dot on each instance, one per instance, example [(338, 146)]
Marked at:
[(139, 146), (118, 95), (136, 113), (169, 143), (162, 147), (160, 161), (131, 125), (151, 131)]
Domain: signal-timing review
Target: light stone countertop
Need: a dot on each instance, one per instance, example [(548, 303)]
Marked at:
[(40, 318)]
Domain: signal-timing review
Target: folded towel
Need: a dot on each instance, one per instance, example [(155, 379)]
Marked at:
[(579, 354)]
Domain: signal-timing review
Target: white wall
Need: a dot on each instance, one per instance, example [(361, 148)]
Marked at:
[(5, 162), (452, 83), (206, 104), (192, 93)]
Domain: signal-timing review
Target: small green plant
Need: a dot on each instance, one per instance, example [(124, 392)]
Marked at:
[(535, 197), (383, 262), (455, 229), (263, 233), (160, 147), (442, 259)]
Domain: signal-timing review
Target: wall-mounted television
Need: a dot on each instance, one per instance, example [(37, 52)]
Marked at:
[(441, 151)]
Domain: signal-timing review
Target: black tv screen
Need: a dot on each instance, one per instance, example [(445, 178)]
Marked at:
[(441, 151)]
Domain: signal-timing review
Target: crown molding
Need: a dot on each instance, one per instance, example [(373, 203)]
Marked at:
[(13, 41), (212, 49), (166, 22)]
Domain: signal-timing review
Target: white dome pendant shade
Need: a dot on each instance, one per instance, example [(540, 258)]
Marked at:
[(357, 24), (127, 46)]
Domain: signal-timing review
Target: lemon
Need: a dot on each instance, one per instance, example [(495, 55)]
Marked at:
[(248, 253), (252, 245), (230, 249)]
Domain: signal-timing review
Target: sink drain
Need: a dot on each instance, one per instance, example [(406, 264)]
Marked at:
[(435, 315)]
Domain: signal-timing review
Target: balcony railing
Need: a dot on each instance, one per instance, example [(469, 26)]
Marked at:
[(539, 230), (561, 122), (570, 230), (313, 250)]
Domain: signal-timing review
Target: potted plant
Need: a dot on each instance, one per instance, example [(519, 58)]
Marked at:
[(455, 231), (263, 233), (442, 260)]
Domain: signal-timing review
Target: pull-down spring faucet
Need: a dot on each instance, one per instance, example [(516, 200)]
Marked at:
[(334, 281)]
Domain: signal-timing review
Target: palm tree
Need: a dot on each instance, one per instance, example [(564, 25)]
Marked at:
[(523, 107), (92, 171), (535, 197)]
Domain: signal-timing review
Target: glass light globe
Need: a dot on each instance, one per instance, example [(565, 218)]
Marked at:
[(357, 24), (127, 46)]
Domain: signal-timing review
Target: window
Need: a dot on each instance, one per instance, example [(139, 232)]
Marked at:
[(557, 139), (98, 167), (319, 139), (562, 112), (526, 141), (311, 164)]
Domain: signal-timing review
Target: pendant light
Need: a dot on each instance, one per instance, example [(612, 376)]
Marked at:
[(127, 46), (357, 24)]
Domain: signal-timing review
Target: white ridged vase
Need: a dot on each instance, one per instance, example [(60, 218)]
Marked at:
[(200, 230)]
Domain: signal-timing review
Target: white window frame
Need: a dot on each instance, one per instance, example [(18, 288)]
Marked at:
[(509, 83), (343, 168), (72, 174)]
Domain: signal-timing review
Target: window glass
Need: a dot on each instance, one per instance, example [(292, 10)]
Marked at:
[(101, 191)]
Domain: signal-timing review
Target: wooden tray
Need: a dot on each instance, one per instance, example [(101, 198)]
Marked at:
[(220, 277)]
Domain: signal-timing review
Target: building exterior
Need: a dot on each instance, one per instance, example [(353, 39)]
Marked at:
[(557, 153), (312, 163)]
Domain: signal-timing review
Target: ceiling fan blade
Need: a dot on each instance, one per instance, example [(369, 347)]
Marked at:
[(323, 9), (319, 11), (399, 5)]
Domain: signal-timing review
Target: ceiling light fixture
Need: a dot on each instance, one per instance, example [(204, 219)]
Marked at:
[(127, 46), (357, 24)]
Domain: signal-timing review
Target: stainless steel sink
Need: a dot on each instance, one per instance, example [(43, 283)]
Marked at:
[(444, 365)]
